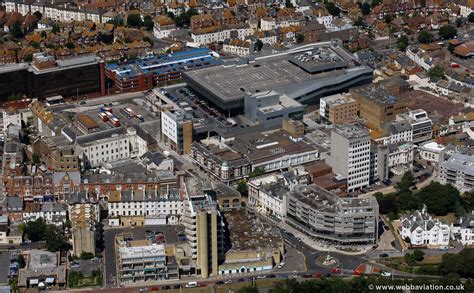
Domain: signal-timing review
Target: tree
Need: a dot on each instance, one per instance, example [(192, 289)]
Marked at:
[(360, 22), (21, 261), (55, 28), (35, 45), (403, 43), (56, 239), (376, 2), (388, 18), (35, 159), (147, 39), (16, 30), (366, 8), (425, 37), (127, 40), (258, 45), (436, 71), (134, 20), (448, 32), (43, 34), (406, 182), (38, 15), (418, 255), (87, 255), (299, 38), (333, 9), (28, 57), (387, 203), (35, 230), (184, 18), (470, 18), (407, 240), (288, 4), (407, 201), (461, 263), (439, 199), (242, 187), (248, 289), (170, 14), (257, 172), (148, 22), (70, 45)]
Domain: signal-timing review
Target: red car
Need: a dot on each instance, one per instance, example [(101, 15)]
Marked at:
[(356, 273), (202, 284), (317, 275), (336, 270)]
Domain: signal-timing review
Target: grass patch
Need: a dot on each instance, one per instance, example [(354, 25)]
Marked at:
[(431, 259), (428, 266), (264, 283)]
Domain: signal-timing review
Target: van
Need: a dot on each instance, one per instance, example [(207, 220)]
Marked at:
[(191, 285)]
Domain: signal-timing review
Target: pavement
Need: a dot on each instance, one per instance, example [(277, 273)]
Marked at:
[(4, 269)]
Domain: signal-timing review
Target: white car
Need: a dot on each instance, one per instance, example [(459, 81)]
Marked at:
[(281, 265), (386, 274)]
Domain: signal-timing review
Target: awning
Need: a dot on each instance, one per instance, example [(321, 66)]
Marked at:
[(34, 282), (49, 280)]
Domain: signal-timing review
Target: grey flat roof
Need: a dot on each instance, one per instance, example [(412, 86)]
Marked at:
[(231, 83)]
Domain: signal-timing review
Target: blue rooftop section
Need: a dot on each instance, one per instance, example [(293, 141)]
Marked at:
[(166, 63)]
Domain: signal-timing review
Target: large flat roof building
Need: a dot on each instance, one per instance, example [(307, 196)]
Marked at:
[(304, 74)]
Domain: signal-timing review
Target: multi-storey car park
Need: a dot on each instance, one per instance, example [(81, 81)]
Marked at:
[(144, 73), (304, 74)]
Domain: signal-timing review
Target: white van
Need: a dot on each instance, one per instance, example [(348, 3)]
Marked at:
[(191, 285)]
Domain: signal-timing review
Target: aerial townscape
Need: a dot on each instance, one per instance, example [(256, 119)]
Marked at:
[(218, 146)]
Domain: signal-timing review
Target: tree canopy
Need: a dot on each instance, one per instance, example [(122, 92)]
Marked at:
[(470, 17), (134, 20), (425, 37), (436, 71), (403, 43), (461, 263), (448, 32), (333, 9)]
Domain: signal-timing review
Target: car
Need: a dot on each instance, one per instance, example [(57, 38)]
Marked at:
[(282, 264), (284, 276), (336, 270), (165, 287), (317, 275), (11, 247), (143, 290), (385, 227), (383, 255), (327, 275), (271, 276), (228, 282), (241, 280), (177, 286), (307, 276), (444, 248), (202, 284), (261, 277), (191, 285), (386, 274), (219, 282)]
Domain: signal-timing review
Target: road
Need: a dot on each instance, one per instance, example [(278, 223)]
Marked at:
[(391, 188)]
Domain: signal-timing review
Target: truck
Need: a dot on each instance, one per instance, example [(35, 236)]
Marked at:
[(128, 112)]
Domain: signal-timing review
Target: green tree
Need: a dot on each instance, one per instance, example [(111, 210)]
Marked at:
[(407, 201), (439, 199), (418, 255), (38, 15), (56, 239), (43, 34), (288, 4), (127, 40), (148, 22), (333, 9), (21, 261), (360, 22), (35, 45), (387, 203), (50, 46), (16, 30), (376, 2), (134, 20), (70, 45), (73, 278), (366, 8), (436, 71), (35, 230), (257, 172), (425, 37), (299, 38), (448, 32), (407, 240), (242, 187), (403, 43), (55, 28), (87, 255), (35, 159), (258, 45), (406, 182), (388, 18), (184, 18), (28, 57), (470, 18)]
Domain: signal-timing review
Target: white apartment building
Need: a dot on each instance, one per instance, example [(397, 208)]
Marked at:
[(431, 151), (350, 155), (401, 155), (465, 9), (458, 171), (15, 117), (267, 24), (148, 204), (422, 229), (237, 47), (163, 27), (104, 150), (215, 34), (463, 230), (326, 20), (420, 123), (51, 213)]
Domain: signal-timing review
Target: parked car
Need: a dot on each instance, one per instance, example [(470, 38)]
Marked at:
[(219, 282), (282, 264), (386, 274), (383, 255)]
